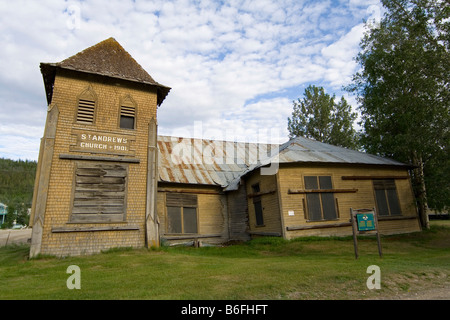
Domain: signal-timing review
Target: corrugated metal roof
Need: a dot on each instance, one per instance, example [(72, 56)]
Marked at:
[(223, 163), (207, 162), (307, 150)]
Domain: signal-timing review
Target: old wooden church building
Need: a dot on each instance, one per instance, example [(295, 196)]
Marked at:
[(106, 179)]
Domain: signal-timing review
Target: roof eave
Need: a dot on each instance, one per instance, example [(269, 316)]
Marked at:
[(48, 71)]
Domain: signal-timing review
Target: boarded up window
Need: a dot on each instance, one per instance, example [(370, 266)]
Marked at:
[(321, 205), (181, 213), (100, 193), (386, 197)]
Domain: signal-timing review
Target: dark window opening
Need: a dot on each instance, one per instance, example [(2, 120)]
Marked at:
[(386, 197), (127, 117), (181, 213), (321, 205), (126, 122), (258, 206)]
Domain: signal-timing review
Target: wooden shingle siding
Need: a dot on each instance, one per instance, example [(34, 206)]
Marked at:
[(210, 206), (356, 194), (270, 205), (238, 215)]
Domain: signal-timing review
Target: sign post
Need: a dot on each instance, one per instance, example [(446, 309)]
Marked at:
[(364, 221)]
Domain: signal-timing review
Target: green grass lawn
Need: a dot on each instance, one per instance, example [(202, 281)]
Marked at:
[(264, 268)]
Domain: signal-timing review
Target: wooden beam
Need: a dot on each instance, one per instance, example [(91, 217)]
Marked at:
[(192, 236), (261, 193), (151, 216), (296, 191), (91, 229), (96, 158), (268, 234), (319, 226), (44, 170), (168, 190), (373, 177)]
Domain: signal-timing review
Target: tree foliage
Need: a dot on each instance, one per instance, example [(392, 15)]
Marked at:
[(16, 189), (403, 90), (319, 117)]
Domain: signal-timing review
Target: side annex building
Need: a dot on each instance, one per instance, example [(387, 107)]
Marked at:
[(106, 179)]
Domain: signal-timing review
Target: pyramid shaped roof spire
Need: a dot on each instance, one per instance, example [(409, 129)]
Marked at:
[(106, 58)]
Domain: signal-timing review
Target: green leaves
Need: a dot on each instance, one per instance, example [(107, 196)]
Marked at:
[(403, 91), (319, 117)]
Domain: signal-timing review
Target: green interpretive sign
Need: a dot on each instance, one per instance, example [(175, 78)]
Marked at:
[(365, 221)]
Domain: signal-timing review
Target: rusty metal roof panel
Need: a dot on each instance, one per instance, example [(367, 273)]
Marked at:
[(223, 163), (200, 161)]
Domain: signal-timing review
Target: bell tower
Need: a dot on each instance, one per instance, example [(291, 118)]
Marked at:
[(96, 179)]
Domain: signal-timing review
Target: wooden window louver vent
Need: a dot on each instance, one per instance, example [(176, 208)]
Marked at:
[(86, 110)]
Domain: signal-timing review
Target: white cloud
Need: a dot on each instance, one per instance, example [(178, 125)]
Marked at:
[(230, 64)]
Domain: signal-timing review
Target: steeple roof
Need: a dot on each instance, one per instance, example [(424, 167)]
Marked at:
[(106, 58)]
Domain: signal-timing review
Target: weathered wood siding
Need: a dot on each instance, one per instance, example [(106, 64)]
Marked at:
[(62, 235), (212, 213), (238, 215), (270, 205), (354, 185)]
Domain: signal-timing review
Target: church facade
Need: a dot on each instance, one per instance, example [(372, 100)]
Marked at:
[(106, 179)]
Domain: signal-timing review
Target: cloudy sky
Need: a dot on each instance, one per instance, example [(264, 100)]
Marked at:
[(234, 66)]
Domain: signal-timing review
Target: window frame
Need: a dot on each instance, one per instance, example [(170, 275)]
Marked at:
[(386, 186), (127, 109), (183, 201), (318, 199)]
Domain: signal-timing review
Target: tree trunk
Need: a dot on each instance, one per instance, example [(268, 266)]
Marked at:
[(420, 192)]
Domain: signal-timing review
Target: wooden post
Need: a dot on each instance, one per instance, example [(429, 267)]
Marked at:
[(47, 145), (151, 218), (378, 233), (355, 230)]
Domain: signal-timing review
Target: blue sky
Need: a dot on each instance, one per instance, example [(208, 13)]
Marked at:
[(234, 66)]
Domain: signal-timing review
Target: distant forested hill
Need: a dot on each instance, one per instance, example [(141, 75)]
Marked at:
[(16, 186)]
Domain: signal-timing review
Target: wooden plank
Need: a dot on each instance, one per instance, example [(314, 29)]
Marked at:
[(100, 187), (263, 233), (319, 226), (99, 180), (46, 156), (191, 236), (93, 229), (96, 158), (373, 177), (96, 218), (99, 194), (196, 191), (261, 193), (98, 202), (297, 191)]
